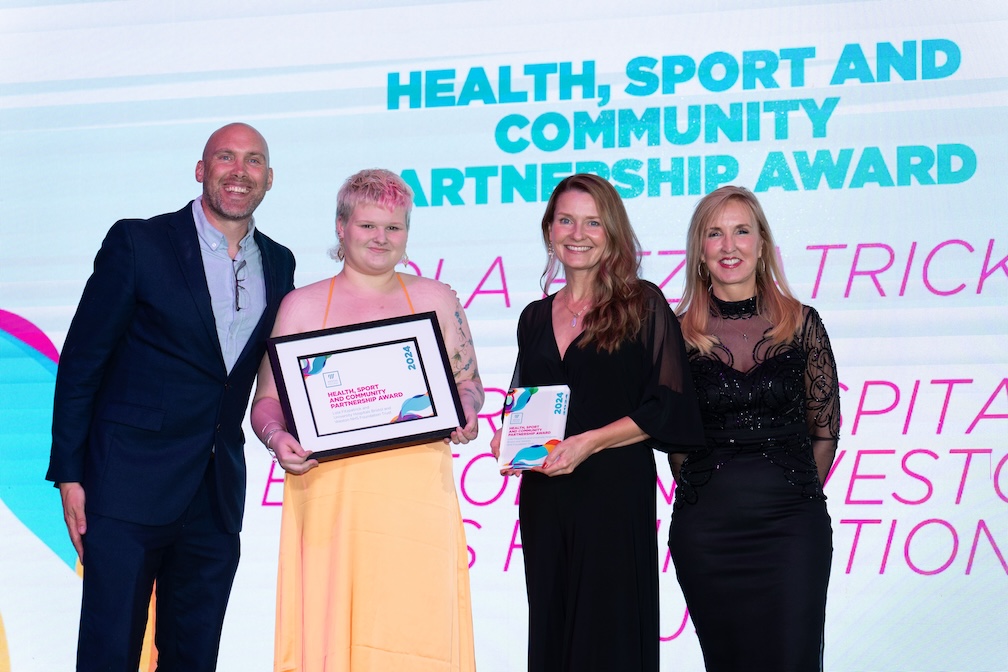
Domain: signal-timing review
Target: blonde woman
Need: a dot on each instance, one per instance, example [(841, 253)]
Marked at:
[(750, 535)]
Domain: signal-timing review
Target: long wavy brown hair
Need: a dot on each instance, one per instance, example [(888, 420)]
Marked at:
[(774, 298), (619, 300)]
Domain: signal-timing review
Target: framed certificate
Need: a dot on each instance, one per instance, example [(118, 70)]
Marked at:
[(366, 387)]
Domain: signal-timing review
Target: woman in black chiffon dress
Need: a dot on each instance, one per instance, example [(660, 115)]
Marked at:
[(750, 537), (588, 514)]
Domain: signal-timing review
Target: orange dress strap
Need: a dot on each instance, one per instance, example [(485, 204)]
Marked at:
[(402, 284), (332, 283), (325, 318)]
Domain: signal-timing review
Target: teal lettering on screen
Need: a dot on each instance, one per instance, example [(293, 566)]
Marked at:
[(685, 124)]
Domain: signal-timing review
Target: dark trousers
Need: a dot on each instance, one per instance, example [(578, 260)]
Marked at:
[(193, 561)]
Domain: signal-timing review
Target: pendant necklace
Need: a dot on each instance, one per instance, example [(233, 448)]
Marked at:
[(578, 313), (736, 315), (743, 334)]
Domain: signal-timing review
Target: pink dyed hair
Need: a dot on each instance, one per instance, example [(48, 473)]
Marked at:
[(376, 186)]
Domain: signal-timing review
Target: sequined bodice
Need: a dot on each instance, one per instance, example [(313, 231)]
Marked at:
[(762, 397), (747, 383), (769, 395)]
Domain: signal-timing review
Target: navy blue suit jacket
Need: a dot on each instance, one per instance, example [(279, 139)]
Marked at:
[(142, 392)]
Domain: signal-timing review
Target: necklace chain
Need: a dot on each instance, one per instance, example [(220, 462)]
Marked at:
[(737, 311), (578, 313), (745, 334), (730, 323)]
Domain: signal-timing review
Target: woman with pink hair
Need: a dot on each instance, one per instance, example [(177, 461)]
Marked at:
[(374, 568)]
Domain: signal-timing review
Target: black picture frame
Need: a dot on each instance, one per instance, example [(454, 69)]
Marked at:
[(366, 387)]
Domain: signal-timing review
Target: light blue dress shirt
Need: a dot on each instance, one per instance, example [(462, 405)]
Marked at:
[(237, 286)]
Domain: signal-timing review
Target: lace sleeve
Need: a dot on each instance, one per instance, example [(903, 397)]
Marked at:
[(822, 390)]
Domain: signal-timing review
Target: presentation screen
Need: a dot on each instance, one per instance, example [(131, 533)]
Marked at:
[(873, 133)]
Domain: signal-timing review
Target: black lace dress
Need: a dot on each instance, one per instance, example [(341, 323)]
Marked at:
[(750, 535)]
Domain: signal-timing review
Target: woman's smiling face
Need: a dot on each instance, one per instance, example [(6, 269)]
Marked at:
[(578, 236), (732, 248)]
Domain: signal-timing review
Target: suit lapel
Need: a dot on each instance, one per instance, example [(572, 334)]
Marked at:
[(182, 233)]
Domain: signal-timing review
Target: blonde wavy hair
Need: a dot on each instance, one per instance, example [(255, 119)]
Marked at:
[(774, 298)]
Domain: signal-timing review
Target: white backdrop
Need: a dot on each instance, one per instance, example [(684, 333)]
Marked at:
[(873, 132)]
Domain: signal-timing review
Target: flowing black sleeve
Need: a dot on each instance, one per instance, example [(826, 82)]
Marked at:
[(668, 412), (822, 389)]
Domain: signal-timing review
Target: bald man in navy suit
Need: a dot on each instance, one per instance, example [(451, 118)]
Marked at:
[(151, 391)]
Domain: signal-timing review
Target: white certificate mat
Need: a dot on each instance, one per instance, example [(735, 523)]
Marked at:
[(366, 387)]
